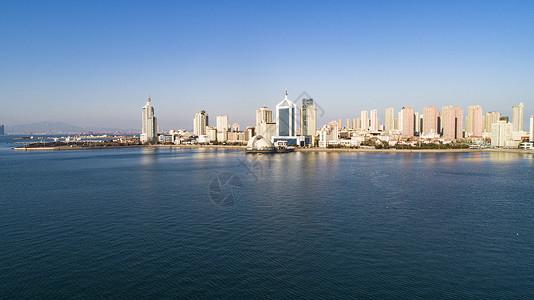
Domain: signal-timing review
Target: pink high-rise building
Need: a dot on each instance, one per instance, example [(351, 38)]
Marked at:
[(473, 121), (408, 127), (374, 120), (431, 120), (452, 123), (460, 122)]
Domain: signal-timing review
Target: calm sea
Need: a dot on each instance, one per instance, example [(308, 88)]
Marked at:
[(199, 223)]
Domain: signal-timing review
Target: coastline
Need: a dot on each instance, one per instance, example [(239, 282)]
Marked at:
[(241, 148)]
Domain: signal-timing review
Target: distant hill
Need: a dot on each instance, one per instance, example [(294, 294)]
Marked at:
[(59, 128)]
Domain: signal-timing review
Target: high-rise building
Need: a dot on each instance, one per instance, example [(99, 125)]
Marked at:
[(235, 127), (417, 122), (501, 131), (286, 123), (355, 123), (448, 120), (2, 130), (532, 128), (358, 123), (459, 113), (490, 118), (200, 123), (349, 124), (222, 123), (431, 120), (390, 119), (399, 121), (308, 118), (264, 115), (452, 123), (473, 121), (518, 112), (222, 128), (408, 127), (149, 124), (365, 120), (340, 123), (374, 120)]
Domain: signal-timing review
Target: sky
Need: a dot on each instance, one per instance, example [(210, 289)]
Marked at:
[(93, 63)]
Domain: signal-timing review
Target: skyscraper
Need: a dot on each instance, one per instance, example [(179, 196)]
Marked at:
[(518, 112), (308, 117), (349, 124), (365, 120), (149, 123), (431, 121), (408, 127), (473, 121), (264, 115), (200, 122), (390, 119), (399, 120), (531, 128), (286, 124), (374, 120)]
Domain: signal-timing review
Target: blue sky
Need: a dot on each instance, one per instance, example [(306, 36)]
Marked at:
[(92, 63)]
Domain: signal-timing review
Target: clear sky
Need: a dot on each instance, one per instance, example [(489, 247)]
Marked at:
[(93, 63)]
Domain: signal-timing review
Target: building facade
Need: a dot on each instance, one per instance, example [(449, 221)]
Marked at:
[(308, 118), (149, 124), (264, 115), (431, 120), (200, 123), (390, 119), (473, 121), (408, 126), (364, 117), (374, 121), (501, 132), (286, 124), (518, 112)]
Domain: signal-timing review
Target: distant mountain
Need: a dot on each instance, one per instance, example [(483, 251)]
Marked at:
[(59, 128)]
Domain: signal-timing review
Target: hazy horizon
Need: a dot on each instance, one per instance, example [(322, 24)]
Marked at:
[(94, 63)]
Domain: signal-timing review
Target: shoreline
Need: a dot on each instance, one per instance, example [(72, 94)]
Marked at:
[(241, 148)]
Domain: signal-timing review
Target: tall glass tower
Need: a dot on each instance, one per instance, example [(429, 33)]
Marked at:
[(286, 124), (308, 117)]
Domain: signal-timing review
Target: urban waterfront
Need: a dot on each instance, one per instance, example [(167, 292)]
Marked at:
[(146, 221)]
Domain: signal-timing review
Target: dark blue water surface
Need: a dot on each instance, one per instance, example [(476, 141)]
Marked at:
[(142, 222)]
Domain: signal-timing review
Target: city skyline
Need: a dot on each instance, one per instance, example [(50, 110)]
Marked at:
[(64, 61)]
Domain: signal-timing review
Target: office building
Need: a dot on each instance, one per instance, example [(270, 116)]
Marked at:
[(149, 123), (517, 116), (473, 121), (264, 115), (408, 127), (390, 119), (286, 124), (431, 123), (308, 118)]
